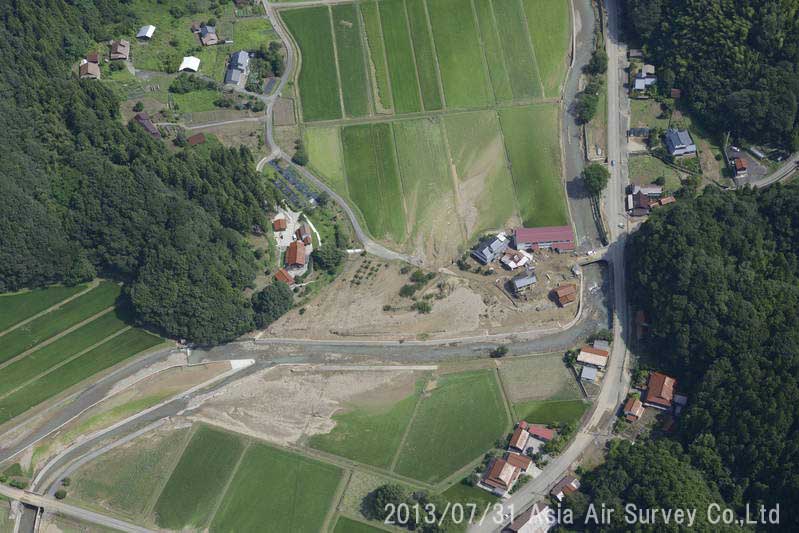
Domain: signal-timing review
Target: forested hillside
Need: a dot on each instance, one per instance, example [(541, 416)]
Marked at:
[(718, 277), (84, 194), (735, 60)]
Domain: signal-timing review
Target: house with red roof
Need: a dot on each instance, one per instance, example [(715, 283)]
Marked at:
[(284, 276), (633, 409), (660, 391), (279, 224), (565, 486), (518, 441), (500, 477), (541, 432), (295, 255), (558, 238)]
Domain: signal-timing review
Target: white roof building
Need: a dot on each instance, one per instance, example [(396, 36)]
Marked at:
[(146, 32), (189, 63)]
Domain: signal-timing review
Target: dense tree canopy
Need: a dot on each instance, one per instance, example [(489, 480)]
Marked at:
[(719, 279), (735, 60), (83, 194), (644, 476)]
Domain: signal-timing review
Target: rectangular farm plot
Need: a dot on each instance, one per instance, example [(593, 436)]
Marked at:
[(378, 67), (368, 435), (551, 412), (475, 142), (460, 58), (14, 308), (325, 155), (402, 70), (457, 421), (424, 53), (517, 49), (197, 482), (351, 66), (550, 29), (426, 180), (492, 47), (373, 178), (538, 377), (105, 355), (532, 143), (125, 479), (56, 321), (276, 490), (318, 80), (43, 359)]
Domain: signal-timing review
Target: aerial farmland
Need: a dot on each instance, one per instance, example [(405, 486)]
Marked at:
[(462, 102)]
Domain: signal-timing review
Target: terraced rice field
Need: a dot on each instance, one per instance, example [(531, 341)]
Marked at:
[(318, 79), (45, 358), (276, 490), (492, 48), (461, 61), (14, 308), (367, 434), (426, 182), (73, 312), (373, 178), (475, 142), (534, 152), (352, 70), (424, 54), (325, 155), (126, 479), (377, 56), (402, 69), (105, 355), (517, 50), (464, 415), (550, 30), (199, 479)]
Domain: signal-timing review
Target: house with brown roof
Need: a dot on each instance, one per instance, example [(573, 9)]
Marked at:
[(120, 49), (565, 294), (93, 57), (208, 35), (500, 476), (295, 255), (541, 432), (89, 71), (522, 462), (197, 138), (565, 486), (633, 409), (279, 224), (518, 441), (660, 391), (593, 357), (537, 519), (284, 276), (303, 234), (739, 165), (144, 121)]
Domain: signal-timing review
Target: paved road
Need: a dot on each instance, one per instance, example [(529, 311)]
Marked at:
[(52, 504), (64, 411), (786, 170), (616, 381)]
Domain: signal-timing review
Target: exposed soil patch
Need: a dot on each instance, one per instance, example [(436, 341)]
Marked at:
[(462, 303), (283, 112), (285, 404)]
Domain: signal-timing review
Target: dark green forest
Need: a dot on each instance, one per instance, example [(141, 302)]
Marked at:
[(718, 277), (735, 60), (84, 194)]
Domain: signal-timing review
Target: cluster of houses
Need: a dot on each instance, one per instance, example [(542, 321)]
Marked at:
[(503, 472), (89, 67), (594, 359), (641, 199), (540, 517), (296, 239), (516, 252), (660, 394), (644, 79)]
